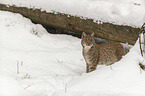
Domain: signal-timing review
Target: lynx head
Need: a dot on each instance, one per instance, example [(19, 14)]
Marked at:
[(87, 40)]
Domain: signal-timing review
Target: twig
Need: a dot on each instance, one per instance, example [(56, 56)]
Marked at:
[(142, 31), (18, 67)]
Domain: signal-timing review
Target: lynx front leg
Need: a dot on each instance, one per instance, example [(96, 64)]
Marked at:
[(90, 68), (87, 69)]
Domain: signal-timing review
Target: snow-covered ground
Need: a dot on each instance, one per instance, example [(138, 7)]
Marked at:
[(122, 12), (36, 63), (38, 60)]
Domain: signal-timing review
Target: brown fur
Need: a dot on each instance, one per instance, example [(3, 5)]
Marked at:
[(100, 54)]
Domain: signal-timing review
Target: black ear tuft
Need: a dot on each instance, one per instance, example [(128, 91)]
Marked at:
[(84, 34), (92, 34)]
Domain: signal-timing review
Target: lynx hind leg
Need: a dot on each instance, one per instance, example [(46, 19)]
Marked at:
[(87, 69), (120, 52), (90, 68)]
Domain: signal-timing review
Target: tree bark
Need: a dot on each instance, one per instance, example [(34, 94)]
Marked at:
[(74, 24)]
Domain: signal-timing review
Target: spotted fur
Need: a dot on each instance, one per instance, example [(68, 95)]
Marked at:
[(100, 54)]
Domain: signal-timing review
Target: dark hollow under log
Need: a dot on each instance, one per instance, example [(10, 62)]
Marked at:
[(62, 23)]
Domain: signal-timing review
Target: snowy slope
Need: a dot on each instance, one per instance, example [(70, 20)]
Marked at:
[(36, 63), (38, 60), (122, 12), (11, 87), (125, 79)]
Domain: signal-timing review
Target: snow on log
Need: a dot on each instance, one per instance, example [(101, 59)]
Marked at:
[(63, 23)]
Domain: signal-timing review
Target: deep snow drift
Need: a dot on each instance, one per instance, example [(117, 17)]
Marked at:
[(36, 63), (122, 12), (38, 60), (125, 79)]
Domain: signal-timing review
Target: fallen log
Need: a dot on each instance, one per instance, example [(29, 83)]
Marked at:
[(62, 23)]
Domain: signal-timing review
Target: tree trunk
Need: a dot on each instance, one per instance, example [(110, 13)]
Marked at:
[(71, 24)]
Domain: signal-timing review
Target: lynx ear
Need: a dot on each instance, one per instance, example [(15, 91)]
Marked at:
[(92, 34), (84, 34)]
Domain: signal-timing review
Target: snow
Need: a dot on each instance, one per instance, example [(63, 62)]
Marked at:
[(125, 79), (11, 87), (36, 63), (39, 62), (121, 12)]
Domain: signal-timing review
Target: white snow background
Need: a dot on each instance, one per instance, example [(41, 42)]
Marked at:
[(36, 63), (121, 12)]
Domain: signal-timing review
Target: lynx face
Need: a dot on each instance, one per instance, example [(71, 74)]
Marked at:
[(87, 40)]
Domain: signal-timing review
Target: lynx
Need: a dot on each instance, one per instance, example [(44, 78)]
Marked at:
[(100, 54)]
